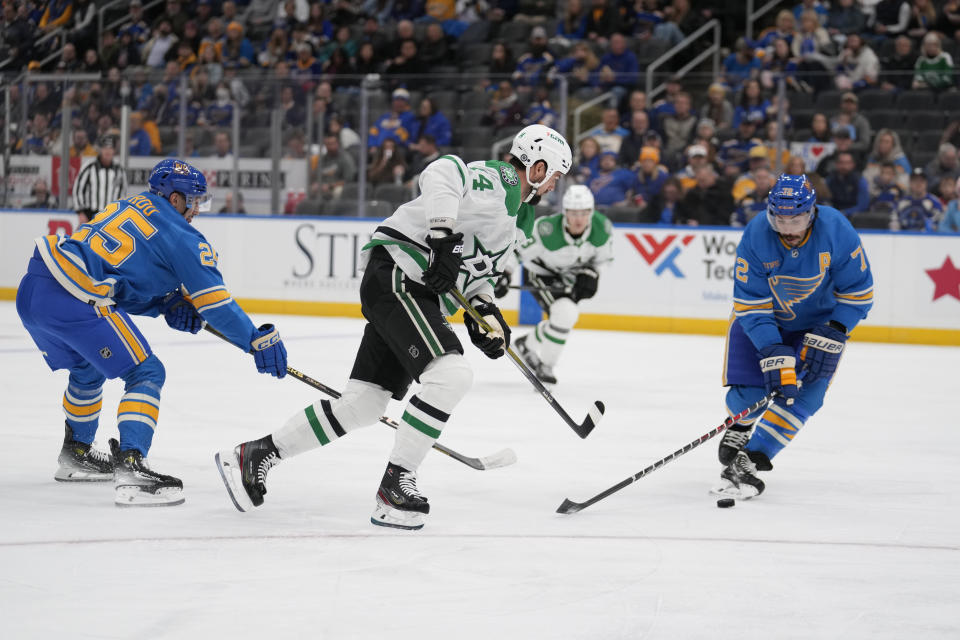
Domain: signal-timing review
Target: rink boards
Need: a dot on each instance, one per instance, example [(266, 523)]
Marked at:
[(663, 279)]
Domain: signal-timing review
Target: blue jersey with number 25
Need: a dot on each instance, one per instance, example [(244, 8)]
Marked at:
[(827, 277), (133, 253)]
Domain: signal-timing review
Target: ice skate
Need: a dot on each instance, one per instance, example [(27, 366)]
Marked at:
[(80, 462), (399, 503), (137, 485), (734, 439), (543, 372), (739, 479), (243, 470)]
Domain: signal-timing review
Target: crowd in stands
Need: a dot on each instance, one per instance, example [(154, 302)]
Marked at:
[(871, 111)]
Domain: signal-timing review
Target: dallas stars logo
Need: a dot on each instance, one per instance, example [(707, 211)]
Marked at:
[(481, 263)]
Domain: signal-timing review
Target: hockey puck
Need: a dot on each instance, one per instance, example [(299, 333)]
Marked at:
[(726, 503)]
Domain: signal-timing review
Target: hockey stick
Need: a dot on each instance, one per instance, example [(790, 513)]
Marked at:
[(569, 506), (582, 429), (502, 458), (533, 287)]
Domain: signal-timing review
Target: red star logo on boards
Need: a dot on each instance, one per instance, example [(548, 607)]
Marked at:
[(946, 280)]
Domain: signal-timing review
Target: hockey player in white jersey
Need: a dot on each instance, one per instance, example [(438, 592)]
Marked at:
[(562, 262), (457, 233)]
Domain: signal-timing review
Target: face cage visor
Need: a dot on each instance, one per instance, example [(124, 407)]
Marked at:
[(202, 201), (788, 225)]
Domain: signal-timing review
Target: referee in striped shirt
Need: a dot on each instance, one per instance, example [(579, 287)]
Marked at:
[(100, 182)]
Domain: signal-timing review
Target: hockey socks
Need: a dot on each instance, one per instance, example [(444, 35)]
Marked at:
[(776, 428), (82, 409), (419, 429), (325, 421)]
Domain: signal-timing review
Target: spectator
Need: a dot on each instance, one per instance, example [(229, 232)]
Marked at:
[(406, 68), (734, 152), (636, 101), (718, 108), (891, 17), (696, 158), (611, 184), (293, 114), (755, 202), (186, 59), (897, 68), (136, 26), (707, 203), (934, 67), (259, 18), (842, 143), (275, 49), (81, 147), (678, 128), (156, 48), (741, 65), (663, 208), (949, 22), (228, 204), (433, 123), (219, 113), (435, 49), (69, 62), (335, 167), (844, 18), (573, 24), (587, 160), (945, 166), (603, 20), (82, 30), (16, 37), (781, 65), (140, 143), (213, 40), (819, 10), (501, 61), (580, 67), (923, 18), (609, 134), (222, 148), (650, 177), (425, 152), (619, 68), (399, 124), (235, 48), (886, 148), (751, 101), (540, 110), (849, 109), (56, 15), (857, 66), (951, 219), (796, 167), (851, 194), (786, 28), (664, 106), (884, 191), (919, 209), (946, 190), (746, 182), (706, 136), (813, 51), (533, 65), (367, 61), (42, 198), (388, 164), (505, 109), (819, 129), (35, 143), (634, 140), (349, 139)]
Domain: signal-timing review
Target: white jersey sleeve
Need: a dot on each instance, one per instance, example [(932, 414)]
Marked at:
[(443, 186)]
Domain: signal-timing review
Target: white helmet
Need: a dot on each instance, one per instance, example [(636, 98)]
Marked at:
[(538, 142), (578, 197)]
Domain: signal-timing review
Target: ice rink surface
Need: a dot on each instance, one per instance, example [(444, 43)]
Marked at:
[(857, 535)]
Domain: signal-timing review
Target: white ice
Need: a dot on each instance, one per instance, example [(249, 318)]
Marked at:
[(857, 535)]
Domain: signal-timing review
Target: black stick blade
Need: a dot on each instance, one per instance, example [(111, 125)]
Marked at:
[(569, 506), (593, 417)]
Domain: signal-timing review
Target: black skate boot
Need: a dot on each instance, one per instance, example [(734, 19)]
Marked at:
[(80, 462), (740, 479), (734, 439), (139, 486), (399, 503), (543, 372), (244, 471)]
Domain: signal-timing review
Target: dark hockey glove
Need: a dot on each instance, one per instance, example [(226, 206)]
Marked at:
[(585, 286), (820, 354), (268, 351), (778, 364), (180, 314), (446, 254), (493, 343), (502, 286)]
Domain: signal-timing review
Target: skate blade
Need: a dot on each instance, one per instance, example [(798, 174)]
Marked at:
[(230, 472), (135, 496), (730, 490), (79, 475), (387, 516)]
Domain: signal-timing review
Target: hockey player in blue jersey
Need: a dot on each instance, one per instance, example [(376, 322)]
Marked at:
[(138, 256), (802, 283)]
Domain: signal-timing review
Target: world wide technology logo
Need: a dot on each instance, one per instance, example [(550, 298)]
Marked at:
[(663, 252)]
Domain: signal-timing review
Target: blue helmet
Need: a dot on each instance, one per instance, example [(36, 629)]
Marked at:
[(790, 196), (172, 175)]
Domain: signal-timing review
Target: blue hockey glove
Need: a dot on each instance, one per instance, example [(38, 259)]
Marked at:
[(585, 286), (822, 347), (494, 343), (180, 314), (446, 254), (778, 364), (268, 351)]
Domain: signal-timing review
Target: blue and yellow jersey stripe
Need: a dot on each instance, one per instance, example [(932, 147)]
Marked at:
[(71, 273), (128, 337), (139, 407), (863, 297), (82, 409), (742, 307), (208, 299)]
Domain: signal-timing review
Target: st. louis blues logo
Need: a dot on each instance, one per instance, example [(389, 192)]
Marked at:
[(789, 291)]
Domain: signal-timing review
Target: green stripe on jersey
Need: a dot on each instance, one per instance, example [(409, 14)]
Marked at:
[(452, 159), (316, 426), (418, 257), (420, 425), (424, 328)]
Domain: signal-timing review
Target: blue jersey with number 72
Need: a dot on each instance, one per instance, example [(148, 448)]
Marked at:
[(133, 253)]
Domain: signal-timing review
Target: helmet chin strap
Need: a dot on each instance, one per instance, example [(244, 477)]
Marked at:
[(534, 186)]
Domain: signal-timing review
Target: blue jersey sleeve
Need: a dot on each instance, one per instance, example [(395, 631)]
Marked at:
[(752, 298), (852, 278)]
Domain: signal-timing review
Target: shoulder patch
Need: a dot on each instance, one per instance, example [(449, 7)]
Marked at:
[(545, 228), (509, 175)]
